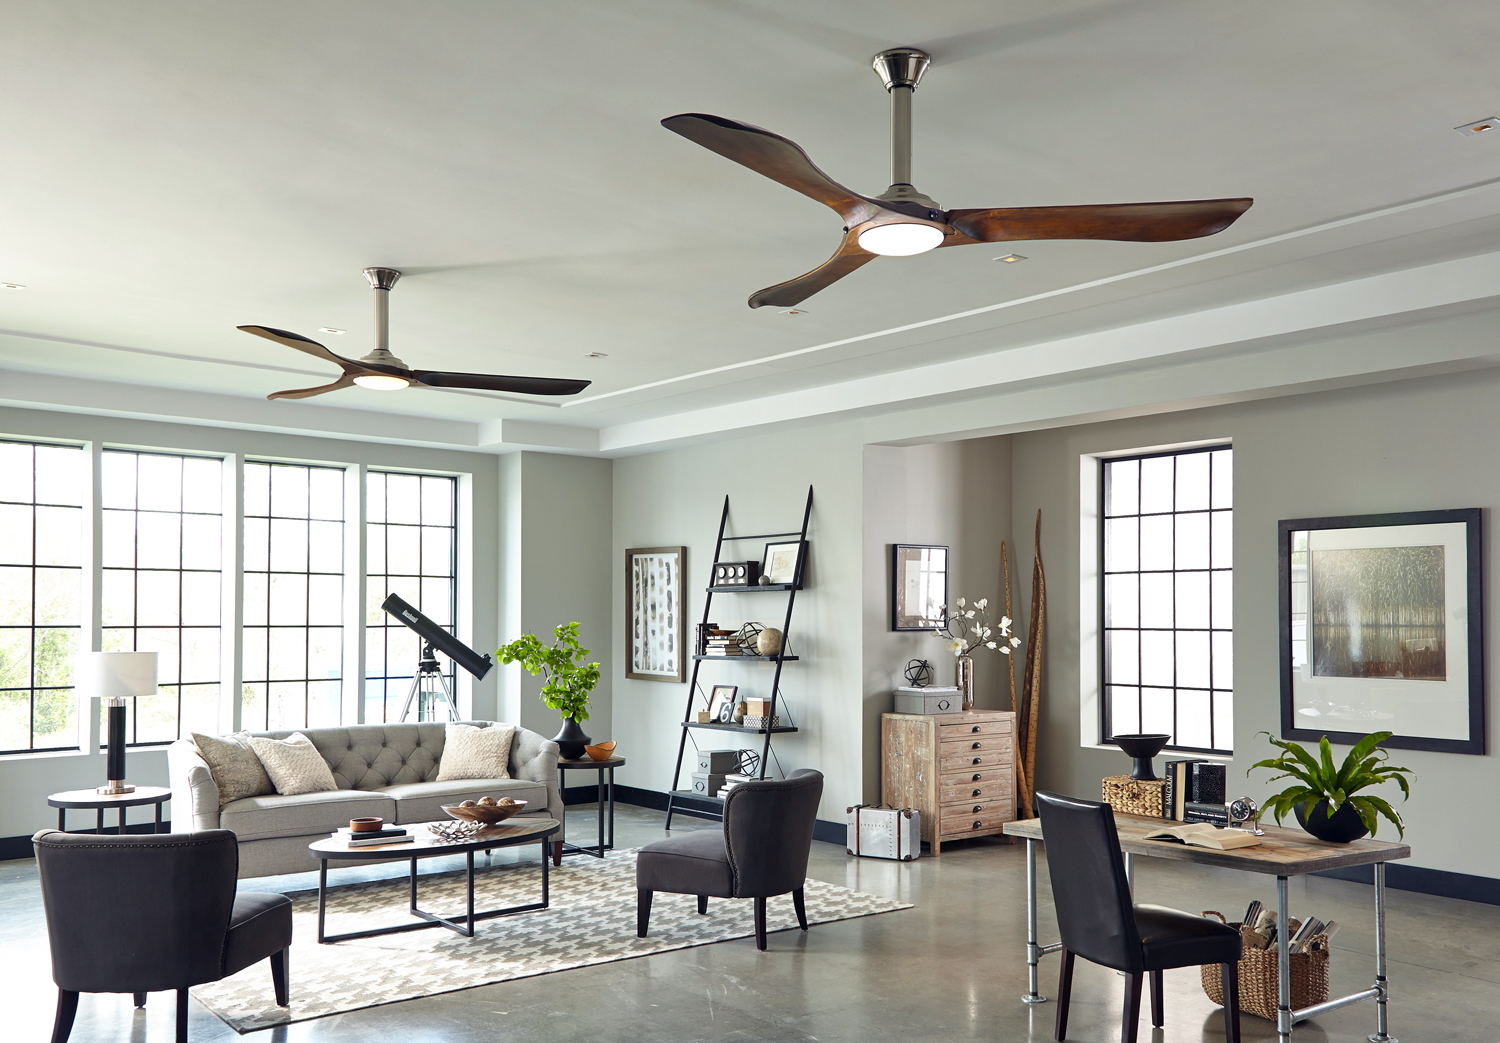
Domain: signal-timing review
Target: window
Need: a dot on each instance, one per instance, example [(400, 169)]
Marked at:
[(411, 552), (294, 596), (162, 538), (1168, 641), (41, 514)]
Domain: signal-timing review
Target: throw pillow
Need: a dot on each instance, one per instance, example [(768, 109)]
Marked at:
[(236, 769), (476, 753), (294, 764)]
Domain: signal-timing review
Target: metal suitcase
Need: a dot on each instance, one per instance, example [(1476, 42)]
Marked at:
[(879, 831)]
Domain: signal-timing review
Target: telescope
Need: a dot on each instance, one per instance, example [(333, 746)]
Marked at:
[(428, 685)]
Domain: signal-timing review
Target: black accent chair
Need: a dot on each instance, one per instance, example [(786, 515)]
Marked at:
[(1098, 920), (761, 852), (149, 913)]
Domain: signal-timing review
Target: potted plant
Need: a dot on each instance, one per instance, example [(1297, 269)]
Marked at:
[(569, 681), (1323, 796), (967, 628)]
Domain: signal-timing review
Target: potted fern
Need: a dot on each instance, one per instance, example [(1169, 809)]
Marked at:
[(1323, 796), (570, 681)]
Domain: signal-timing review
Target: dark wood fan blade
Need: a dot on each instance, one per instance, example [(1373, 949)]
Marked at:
[(778, 158), (496, 382), (1128, 222), (849, 256), (345, 380), (301, 343)]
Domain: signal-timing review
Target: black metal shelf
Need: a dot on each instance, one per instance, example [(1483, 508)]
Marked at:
[(714, 726), (749, 589), (751, 658)]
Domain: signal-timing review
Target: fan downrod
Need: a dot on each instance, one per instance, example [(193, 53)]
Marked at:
[(901, 69)]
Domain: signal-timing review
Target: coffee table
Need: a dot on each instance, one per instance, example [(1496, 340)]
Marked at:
[(428, 845)]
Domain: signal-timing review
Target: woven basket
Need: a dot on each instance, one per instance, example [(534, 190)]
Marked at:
[(1123, 793), (1258, 980)]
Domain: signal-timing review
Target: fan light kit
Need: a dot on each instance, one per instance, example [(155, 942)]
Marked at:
[(382, 371), (901, 221)]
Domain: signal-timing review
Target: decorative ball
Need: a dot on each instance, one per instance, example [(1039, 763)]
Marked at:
[(749, 762), (765, 579), (919, 673), (747, 636), (769, 641)]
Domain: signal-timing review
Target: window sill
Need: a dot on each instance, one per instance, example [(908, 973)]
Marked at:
[(10, 758)]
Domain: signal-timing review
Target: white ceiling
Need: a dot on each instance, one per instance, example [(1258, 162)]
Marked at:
[(171, 170)]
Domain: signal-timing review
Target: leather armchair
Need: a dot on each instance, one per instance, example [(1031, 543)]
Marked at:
[(1098, 919), (760, 853), (150, 913)]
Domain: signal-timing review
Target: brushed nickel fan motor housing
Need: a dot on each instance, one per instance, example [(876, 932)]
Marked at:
[(381, 281), (901, 69), (902, 66)]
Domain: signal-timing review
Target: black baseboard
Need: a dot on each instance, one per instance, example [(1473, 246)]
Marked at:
[(20, 847), (1438, 882), (828, 832)]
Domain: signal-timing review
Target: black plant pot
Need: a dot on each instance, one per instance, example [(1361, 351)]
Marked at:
[(1344, 826), (571, 740)]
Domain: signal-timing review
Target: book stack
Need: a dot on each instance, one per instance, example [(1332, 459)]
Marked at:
[(731, 781), (721, 643), (375, 837), (1194, 792)]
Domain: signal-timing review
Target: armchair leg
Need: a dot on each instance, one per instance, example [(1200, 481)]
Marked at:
[(1064, 994), (642, 912), (703, 905), (67, 1010), (182, 1015), (278, 977), (140, 999), (557, 852), (1229, 981), (1158, 1015), (760, 924), (801, 908), (1132, 1014)]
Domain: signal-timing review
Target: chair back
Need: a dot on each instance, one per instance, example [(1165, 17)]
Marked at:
[(142, 913), (768, 832), (1095, 913)]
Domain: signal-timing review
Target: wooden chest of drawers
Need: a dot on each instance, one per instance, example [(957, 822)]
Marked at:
[(957, 769)]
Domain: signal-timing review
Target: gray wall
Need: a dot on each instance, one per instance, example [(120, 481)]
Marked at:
[(1420, 445)]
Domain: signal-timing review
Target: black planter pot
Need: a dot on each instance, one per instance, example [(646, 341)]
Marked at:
[(571, 740), (1344, 826)]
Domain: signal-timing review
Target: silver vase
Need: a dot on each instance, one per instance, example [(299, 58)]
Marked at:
[(963, 679)]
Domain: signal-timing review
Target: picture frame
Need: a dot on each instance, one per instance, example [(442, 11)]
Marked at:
[(919, 586), (781, 563), (655, 616), (1382, 629), (721, 702)]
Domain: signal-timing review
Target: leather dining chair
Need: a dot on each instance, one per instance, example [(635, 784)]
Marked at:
[(1098, 920), (761, 852), (150, 913)]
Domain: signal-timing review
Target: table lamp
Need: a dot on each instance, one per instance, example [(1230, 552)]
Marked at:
[(115, 677)]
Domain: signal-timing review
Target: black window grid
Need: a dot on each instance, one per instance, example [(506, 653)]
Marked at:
[(295, 693), (388, 682), (1218, 744), (50, 698)]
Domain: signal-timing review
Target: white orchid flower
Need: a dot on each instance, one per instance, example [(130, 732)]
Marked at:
[(981, 603), (969, 614), (987, 631), (1005, 621), (1005, 651), (961, 602), (1015, 642), (989, 644), (956, 646)]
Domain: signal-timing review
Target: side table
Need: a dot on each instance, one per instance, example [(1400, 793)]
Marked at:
[(87, 799), (601, 766)]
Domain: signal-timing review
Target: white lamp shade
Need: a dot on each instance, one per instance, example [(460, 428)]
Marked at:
[(117, 675)]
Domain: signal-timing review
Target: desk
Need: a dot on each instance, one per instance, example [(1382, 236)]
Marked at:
[(92, 800), (1283, 853)]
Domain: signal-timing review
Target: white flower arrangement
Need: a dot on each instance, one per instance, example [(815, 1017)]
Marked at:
[(965, 636)]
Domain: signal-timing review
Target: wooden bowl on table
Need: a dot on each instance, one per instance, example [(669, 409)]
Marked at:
[(489, 814), (602, 752), (365, 825)]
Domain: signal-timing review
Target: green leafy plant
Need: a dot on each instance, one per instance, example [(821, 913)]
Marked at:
[(1317, 779), (569, 679)]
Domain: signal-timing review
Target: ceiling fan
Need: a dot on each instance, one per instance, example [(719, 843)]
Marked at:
[(902, 221), (382, 371)]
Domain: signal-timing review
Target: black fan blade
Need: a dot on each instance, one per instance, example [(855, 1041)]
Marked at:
[(496, 382), (301, 343), (849, 256)]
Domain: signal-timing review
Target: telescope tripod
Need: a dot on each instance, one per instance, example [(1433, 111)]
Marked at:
[(429, 688)]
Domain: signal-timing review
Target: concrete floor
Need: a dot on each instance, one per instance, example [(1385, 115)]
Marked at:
[(953, 968)]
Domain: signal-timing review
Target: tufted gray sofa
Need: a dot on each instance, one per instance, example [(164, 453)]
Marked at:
[(381, 769)]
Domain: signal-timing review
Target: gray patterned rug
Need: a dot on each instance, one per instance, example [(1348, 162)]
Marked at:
[(591, 920)]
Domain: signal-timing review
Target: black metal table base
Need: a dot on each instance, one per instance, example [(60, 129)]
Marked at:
[(600, 848), (461, 923)]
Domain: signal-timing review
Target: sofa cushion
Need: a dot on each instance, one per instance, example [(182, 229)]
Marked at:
[(294, 764), (236, 770), (302, 814), (421, 801), (476, 753)]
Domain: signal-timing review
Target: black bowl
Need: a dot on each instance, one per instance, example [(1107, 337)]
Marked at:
[(1142, 748)]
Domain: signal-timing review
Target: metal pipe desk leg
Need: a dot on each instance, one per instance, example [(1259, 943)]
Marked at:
[(1033, 951), (1381, 1025), (1283, 966)]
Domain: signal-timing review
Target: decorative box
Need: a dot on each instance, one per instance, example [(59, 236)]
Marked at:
[(1134, 797), (718, 762), (937, 702), (706, 784), (759, 722), (736, 573), (876, 831)]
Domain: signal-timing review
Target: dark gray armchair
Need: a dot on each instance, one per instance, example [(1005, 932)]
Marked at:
[(150, 913), (761, 852)]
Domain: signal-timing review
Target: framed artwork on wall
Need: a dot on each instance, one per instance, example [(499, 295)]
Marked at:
[(919, 586), (1382, 629), (654, 609), (781, 563)]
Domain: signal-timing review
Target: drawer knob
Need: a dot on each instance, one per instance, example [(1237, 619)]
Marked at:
[(976, 792), (979, 825), (977, 776), (978, 808), (978, 760), (974, 729), (977, 746)]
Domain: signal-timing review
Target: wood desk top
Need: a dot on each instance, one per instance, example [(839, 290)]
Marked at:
[(1281, 852)]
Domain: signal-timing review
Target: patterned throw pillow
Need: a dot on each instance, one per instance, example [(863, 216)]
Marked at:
[(476, 753), (294, 764), (236, 769)]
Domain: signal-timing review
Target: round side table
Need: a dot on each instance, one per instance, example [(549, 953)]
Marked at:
[(87, 799), (588, 763)]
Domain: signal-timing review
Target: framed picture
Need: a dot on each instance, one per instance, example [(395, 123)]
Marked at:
[(919, 586), (654, 625), (721, 703), (1382, 629), (782, 562)]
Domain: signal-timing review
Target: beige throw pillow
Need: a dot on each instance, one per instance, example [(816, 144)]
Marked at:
[(236, 769), (294, 764), (476, 753)]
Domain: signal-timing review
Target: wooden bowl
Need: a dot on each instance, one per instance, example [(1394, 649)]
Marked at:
[(365, 825), (602, 752), (488, 815)]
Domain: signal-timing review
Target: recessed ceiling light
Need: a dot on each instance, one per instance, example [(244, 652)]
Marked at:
[(595, 355), (1011, 258), (794, 311), (12, 286), (1479, 128), (330, 329)]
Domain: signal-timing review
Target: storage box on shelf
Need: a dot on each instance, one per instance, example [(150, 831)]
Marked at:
[(957, 769), (1133, 796)]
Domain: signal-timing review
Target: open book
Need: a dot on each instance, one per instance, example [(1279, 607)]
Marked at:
[(1204, 834)]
